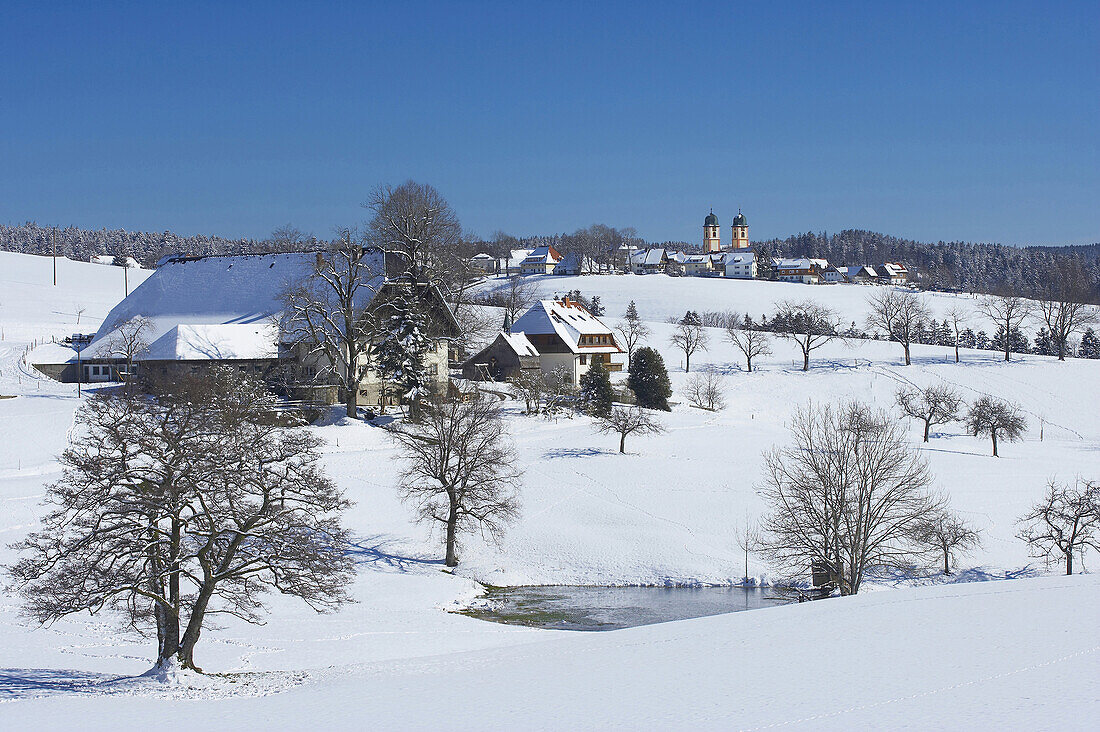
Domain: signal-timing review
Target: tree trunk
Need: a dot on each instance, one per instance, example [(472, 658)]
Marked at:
[(352, 402), (687, 363), (452, 531), (622, 443), (956, 350), (993, 432), (168, 632), (906, 347), (805, 360), (1069, 562), (748, 360), (946, 562), (927, 426)]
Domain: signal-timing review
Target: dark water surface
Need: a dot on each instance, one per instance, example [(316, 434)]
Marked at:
[(563, 607)]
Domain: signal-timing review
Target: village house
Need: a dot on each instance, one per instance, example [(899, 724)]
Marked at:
[(740, 265), (572, 263), (541, 260), (203, 311), (805, 270), (508, 355), (892, 273), (649, 261), (484, 263), (566, 335), (513, 264)]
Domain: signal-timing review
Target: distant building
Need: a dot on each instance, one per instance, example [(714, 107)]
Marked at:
[(485, 263), (541, 260), (712, 237), (805, 270), (740, 265), (892, 273)]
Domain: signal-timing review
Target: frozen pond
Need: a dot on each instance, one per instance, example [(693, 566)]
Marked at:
[(610, 608)]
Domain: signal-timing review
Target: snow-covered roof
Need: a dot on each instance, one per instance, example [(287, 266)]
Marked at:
[(519, 344), (654, 256), (483, 256), (542, 255), (190, 301), (739, 258), (801, 263), (516, 257), (891, 269), (569, 321)]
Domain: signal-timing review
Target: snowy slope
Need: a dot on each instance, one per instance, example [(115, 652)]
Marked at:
[(991, 656), (659, 296), (666, 512)]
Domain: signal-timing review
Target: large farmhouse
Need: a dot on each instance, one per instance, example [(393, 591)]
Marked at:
[(566, 335), (200, 311)]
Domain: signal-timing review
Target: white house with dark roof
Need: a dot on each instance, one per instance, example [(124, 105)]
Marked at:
[(541, 260), (566, 335)]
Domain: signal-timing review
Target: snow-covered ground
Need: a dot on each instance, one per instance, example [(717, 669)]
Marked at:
[(1020, 653)]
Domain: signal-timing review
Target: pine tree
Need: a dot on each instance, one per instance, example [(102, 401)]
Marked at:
[(595, 307), (1017, 341), (1044, 345), (649, 380), (596, 391), (1090, 345), (400, 353)]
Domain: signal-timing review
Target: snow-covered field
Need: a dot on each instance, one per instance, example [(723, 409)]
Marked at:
[(1020, 653)]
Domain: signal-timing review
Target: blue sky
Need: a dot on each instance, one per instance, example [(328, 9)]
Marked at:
[(974, 121)]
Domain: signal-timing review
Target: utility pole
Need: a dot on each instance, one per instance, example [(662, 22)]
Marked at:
[(53, 243)]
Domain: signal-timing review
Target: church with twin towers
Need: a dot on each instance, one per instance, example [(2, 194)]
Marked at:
[(712, 234)]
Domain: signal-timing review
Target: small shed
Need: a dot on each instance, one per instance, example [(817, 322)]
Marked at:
[(507, 355)]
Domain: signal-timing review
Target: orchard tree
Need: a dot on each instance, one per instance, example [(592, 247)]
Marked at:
[(625, 421), (932, 405), (751, 342), (809, 324), (1009, 312), (996, 418), (1064, 307), (690, 336), (948, 535), (1065, 521), (898, 313)]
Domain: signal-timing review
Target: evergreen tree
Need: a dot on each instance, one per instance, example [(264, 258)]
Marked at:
[(596, 391), (595, 307), (1044, 345), (1090, 345), (649, 380), (981, 341), (967, 339), (400, 353), (1017, 341)]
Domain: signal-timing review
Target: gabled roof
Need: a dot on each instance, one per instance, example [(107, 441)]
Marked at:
[(483, 255), (569, 321), (519, 343), (186, 296), (655, 256), (543, 255)]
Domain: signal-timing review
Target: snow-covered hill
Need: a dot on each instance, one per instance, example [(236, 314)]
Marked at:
[(958, 656)]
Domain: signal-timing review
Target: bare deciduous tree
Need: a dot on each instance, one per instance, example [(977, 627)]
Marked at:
[(948, 534), (935, 404), (625, 421), (996, 418), (1007, 311), (416, 228), (129, 341), (327, 314), (809, 324), (704, 390), (1065, 521), (957, 318), (517, 297), (1063, 306), (750, 342), (633, 330), (846, 495), (287, 238), (690, 336), (898, 313), (185, 506), (460, 469)]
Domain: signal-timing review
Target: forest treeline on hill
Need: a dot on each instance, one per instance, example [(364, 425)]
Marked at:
[(987, 268)]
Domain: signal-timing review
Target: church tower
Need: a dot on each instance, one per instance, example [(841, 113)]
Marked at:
[(740, 231), (712, 238)]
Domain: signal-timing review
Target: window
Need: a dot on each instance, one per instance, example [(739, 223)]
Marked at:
[(584, 359)]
